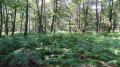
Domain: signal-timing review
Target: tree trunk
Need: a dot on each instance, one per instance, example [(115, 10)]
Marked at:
[(100, 28), (85, 12), (114, 22), (52, 24), (26, 24), (70, 24), (6, 24), (29, 22), (110, 17), (54, 16), (45, 17), (34, 22), (21, 22), (97, 19), (1, 24), (40, 30), (79, 17), (13, 29)]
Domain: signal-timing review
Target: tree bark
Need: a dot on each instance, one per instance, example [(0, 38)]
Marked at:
[(6, 24), (26, 23), (100, 28), (110, 16), (114, 22), (79, 17), (13, 28), (97, 19), (29, 22), (34, 22), (54, 16), (70, 24), (1, 24), (45, 17), (40, 28), (85, 12)]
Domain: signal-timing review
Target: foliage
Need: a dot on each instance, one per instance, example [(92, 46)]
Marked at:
[(60, 48)]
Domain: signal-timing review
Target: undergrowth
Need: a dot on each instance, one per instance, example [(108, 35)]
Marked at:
[(60, 49)]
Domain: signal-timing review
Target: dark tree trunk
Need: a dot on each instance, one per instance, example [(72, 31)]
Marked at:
[(1, 24), (26, 23), (55, 24), (114, 22), (54, 16), (6, 24), (13, 28), (97, 19), (110, 17), (70, 24), (85, 12), (52, 24)]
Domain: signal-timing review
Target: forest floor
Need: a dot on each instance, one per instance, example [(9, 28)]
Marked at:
[(60, 50)]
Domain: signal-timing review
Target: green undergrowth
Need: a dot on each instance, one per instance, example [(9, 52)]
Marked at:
[(60, 49)]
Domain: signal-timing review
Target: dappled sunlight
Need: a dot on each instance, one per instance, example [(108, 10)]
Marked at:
[(62, 48), (59, 33)]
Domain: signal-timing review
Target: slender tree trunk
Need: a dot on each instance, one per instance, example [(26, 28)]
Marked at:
[(21, 23), (1, 24), (100, 28), (33, 25), (29, 22), (26, 24), (110, 17), (34, 22), (79, 17), (52, 24), (41, 16), (54, 16), (97, 19), (40, 28), (70, 24), (6, 24), (84, 24), (114, 22), (55, 24), (13, 29), (85, 12), (45, 17)]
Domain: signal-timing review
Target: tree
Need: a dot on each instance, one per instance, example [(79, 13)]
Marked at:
[(97, 18), (1, 24), (40, 26), (21, 20), (54, 16), (110, 16), (6, 24), (26, 23), (45, 17), (85, 12), (79, 16), (13, 28)]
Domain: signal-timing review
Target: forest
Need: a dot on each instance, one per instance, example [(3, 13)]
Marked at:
[(59, 33)]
